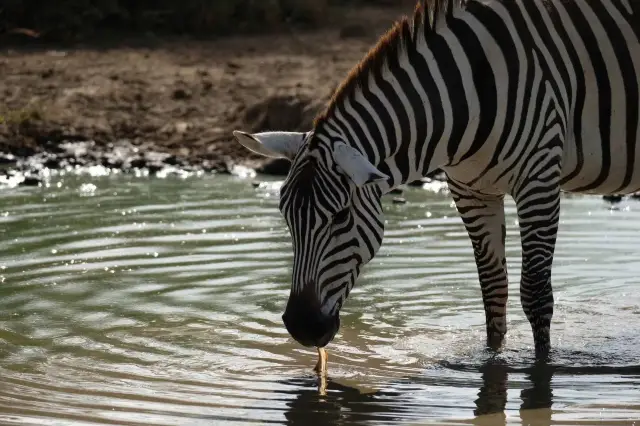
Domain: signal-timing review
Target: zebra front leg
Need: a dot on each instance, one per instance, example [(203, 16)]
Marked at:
[(538, 206), (483, 218)]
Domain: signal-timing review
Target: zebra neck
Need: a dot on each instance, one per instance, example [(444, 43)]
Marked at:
[(398, 121), (412, 106)]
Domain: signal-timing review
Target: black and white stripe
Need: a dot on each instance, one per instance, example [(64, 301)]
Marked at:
[(509, 97), (333, 233)]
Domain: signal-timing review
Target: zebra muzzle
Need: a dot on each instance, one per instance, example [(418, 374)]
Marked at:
[(311, 328)]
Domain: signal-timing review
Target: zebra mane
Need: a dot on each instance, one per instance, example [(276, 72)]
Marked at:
[(402, 37)]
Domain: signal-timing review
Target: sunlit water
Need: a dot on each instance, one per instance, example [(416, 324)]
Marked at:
[(159, 301)]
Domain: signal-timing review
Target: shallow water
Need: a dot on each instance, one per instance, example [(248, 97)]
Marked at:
[(158, 301)]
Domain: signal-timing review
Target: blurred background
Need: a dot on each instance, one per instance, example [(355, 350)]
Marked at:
[(169, 78), (73, 18)]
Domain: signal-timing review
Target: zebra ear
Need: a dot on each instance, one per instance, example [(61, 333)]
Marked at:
[(355, 165), (271, 144)]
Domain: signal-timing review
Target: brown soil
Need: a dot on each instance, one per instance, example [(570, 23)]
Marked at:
[(178, 95)]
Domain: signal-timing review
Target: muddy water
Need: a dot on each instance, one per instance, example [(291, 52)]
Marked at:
[(141, 301)]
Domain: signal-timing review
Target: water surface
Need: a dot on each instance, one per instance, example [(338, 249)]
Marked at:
[(158, 301)]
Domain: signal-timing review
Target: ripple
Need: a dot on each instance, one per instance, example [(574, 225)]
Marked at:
[(160, 302)]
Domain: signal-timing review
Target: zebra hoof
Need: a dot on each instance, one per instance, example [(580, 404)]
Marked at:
[(543, 352), (495, 340)]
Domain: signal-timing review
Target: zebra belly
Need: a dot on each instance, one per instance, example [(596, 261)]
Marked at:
[(604, 158), (602, 173), (623, 176), (601, 153)]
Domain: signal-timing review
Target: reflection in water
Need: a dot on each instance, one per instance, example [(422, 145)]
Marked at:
[(492, 397), (538, 395), (344, 404), (347, 404)]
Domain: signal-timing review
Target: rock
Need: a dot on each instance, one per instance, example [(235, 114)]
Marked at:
[(282, 112), (52, 163), (417, 182), (138, 163), (31, 181), (399, 200), (181, 127), (276, 167), (157, 157), (180, 94), (172, 160), (121, 155), (47, 73), (396, 191), (66, 162), (7, 159), (110, 162), (438, 175), (77, 149), (612, 198), (23, 151), (154, 168), (206, 166)]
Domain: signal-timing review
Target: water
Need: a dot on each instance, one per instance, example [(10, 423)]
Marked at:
[(141, 301)]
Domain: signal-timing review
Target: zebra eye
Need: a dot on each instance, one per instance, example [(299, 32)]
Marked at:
[(341, 217)]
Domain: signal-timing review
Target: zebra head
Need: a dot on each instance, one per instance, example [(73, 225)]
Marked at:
[(331, 203)]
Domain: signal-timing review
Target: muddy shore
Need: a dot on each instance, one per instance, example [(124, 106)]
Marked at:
[(150, 101)]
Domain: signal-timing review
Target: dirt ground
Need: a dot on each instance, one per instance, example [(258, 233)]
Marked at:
[(178, 95)]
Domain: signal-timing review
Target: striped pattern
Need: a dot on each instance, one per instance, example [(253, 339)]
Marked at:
[(509, 97), (333, 233)]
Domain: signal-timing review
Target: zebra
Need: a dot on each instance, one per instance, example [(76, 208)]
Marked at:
[(525, 98)]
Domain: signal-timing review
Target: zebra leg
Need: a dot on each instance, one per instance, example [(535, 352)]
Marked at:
[(538, 205), (483, 217)]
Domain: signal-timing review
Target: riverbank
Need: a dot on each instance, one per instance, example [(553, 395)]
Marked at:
[(149, 98)]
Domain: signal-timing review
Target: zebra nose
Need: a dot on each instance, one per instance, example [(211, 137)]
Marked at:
[(310, 327)]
